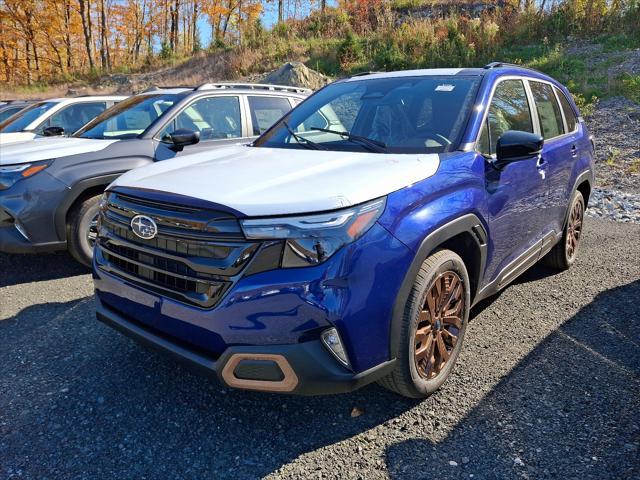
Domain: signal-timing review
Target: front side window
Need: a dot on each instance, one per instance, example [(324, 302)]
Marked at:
[(509, 110), (20, 122), (548, 109), (129, 118), (265, 111), (214, 117), (569, 114), (422, 114), (73, 117)]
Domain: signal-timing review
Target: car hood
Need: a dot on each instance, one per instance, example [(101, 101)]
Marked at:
[(273, 181), (12, 137), (45, 148)]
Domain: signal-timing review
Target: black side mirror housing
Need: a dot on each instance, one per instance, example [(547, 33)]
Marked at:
[(182, 138), (53, 131), (514, 145)]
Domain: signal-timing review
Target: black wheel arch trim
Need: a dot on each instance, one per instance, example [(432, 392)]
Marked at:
[(75, 192), (469, 223), (587, 176)]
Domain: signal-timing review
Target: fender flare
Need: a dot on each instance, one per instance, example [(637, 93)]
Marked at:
[(468, 223), (586, 175), (78, 188)]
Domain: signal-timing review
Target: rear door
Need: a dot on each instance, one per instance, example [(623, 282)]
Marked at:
[(517, 192), (559, 152), (264, 111)]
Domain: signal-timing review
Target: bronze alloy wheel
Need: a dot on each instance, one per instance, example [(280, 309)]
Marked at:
[(574, 229), (439, 324)]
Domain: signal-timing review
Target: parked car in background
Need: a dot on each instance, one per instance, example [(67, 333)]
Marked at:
[(57, 116), (71, 173), (10, 108), (348, 243)]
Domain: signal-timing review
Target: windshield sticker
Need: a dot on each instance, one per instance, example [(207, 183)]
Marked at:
[(445, 88)]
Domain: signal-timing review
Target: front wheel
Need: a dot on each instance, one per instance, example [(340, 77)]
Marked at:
[(82, 229), (432, 328)]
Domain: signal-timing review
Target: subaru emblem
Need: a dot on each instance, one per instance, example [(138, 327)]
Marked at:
[(144, 227)]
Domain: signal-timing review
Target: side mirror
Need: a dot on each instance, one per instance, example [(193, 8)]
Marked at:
[(53, 131), (515, 145), (181, 138)]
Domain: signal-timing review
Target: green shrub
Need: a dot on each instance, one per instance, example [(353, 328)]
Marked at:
[(628, 86)]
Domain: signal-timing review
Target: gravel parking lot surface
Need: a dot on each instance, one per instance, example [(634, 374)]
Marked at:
[(547, 386)]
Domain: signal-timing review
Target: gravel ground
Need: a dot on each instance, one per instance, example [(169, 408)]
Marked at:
[(547, 386), (615, 125)]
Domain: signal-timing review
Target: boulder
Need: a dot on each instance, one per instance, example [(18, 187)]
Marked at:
[(296, 74)]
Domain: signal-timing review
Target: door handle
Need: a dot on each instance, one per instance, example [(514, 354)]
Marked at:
[(574, 151)]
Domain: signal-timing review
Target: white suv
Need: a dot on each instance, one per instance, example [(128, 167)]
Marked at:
[(57, 116)]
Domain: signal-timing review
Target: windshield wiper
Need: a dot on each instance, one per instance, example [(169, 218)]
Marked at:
[(369, 143), (303, 141)]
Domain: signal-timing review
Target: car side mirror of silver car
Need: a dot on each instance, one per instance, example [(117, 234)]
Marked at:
[(53, 131), (181, 138)]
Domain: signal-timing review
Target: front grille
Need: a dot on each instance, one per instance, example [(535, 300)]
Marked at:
[(195, 257)]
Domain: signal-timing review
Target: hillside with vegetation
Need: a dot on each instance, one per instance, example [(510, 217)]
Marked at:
[(49, 45)]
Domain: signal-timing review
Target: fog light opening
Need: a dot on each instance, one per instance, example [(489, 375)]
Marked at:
[(333, 342)]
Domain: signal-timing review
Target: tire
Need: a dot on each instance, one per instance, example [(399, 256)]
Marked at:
[(411, 376), (563, 254), (79, 222)]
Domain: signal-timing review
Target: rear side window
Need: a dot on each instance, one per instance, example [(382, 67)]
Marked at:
[(509, 110), (265, 111), (548, 110), (569, 114), (73, 117)]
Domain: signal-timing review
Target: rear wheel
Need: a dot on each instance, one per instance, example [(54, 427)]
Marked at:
[(82, 229), (563, 254), (433, 326)]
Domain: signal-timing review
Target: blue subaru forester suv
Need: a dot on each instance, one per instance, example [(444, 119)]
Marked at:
[(348, 243)]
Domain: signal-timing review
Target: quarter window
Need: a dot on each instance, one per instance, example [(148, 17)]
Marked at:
[(548, 110), (569, 114), (509, 110), (265, 111), (214, 117)]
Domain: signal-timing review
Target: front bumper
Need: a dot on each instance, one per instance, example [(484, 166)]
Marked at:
[(12, 241), (31, 203), (305, 368)]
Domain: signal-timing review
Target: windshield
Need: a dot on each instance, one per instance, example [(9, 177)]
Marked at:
[(423, 114), (129, 118), (19, 122), (6, 112)]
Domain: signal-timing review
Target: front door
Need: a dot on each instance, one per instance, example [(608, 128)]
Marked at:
[(217, 119), (516, 194)]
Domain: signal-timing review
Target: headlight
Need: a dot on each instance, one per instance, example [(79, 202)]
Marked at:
[(311, 239), (10, 174)]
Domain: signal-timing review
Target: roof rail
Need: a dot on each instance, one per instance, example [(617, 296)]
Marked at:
[(154, 88), (252, 86), (362, 74), (491, 65)]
